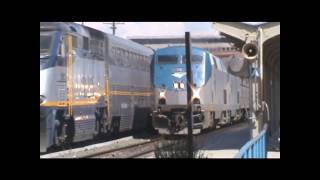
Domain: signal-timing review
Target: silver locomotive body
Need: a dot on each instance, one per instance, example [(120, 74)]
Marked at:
[(218, 97), (91, 83)]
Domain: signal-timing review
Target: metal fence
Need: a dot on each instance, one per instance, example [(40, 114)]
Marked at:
[(256, 147)]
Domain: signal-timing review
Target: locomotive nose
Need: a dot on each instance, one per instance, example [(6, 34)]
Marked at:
[(176, 98)]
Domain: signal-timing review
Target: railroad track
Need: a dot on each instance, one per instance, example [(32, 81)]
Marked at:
[(131, 151), (199, 138), (128, 148)]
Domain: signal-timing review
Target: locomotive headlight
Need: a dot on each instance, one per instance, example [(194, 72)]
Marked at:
[(162, 94), (175, 85), (181, 85), (196, 93), (42, 99)]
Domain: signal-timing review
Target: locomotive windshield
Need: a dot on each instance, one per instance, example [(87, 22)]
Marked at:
[(197, 59), (167, 59), (45, 44)]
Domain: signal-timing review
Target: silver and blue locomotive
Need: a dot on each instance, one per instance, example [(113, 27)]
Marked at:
[(219, 98), (91, 83)]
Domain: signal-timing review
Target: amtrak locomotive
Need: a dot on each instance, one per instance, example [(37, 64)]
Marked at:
[(219, 98), (91, 83)]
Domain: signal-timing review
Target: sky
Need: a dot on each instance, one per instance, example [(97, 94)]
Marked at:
[(131, 29)]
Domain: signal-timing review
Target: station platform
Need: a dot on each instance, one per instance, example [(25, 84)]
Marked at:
[(226, 143)]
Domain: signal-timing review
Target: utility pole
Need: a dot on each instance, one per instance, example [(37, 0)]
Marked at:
[(189, 93), (113, 27)]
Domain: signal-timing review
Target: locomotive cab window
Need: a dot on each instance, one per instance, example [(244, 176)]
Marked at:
[(167, 59), (62, 49), (45, 44), (196, 59), (62, 53)]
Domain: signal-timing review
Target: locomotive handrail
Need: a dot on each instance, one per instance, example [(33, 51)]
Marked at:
[(256, 147)]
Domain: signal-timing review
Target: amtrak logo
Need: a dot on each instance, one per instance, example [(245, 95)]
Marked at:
[(179, 74)]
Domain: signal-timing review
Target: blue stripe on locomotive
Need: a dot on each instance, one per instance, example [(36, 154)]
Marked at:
[(163, 73)]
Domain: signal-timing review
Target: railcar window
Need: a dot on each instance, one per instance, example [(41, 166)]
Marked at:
[(121, 53), (197, 59), (74, 42), (117, 51), (225, 96), (96, 47), (223, 67), (238, 97), (214, 61), (101, 51), (218, 61), (45, 43), (85, 43), (113, 51), (167, 59)]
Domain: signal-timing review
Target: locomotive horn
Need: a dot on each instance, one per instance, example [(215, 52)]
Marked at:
[(250, 51)]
